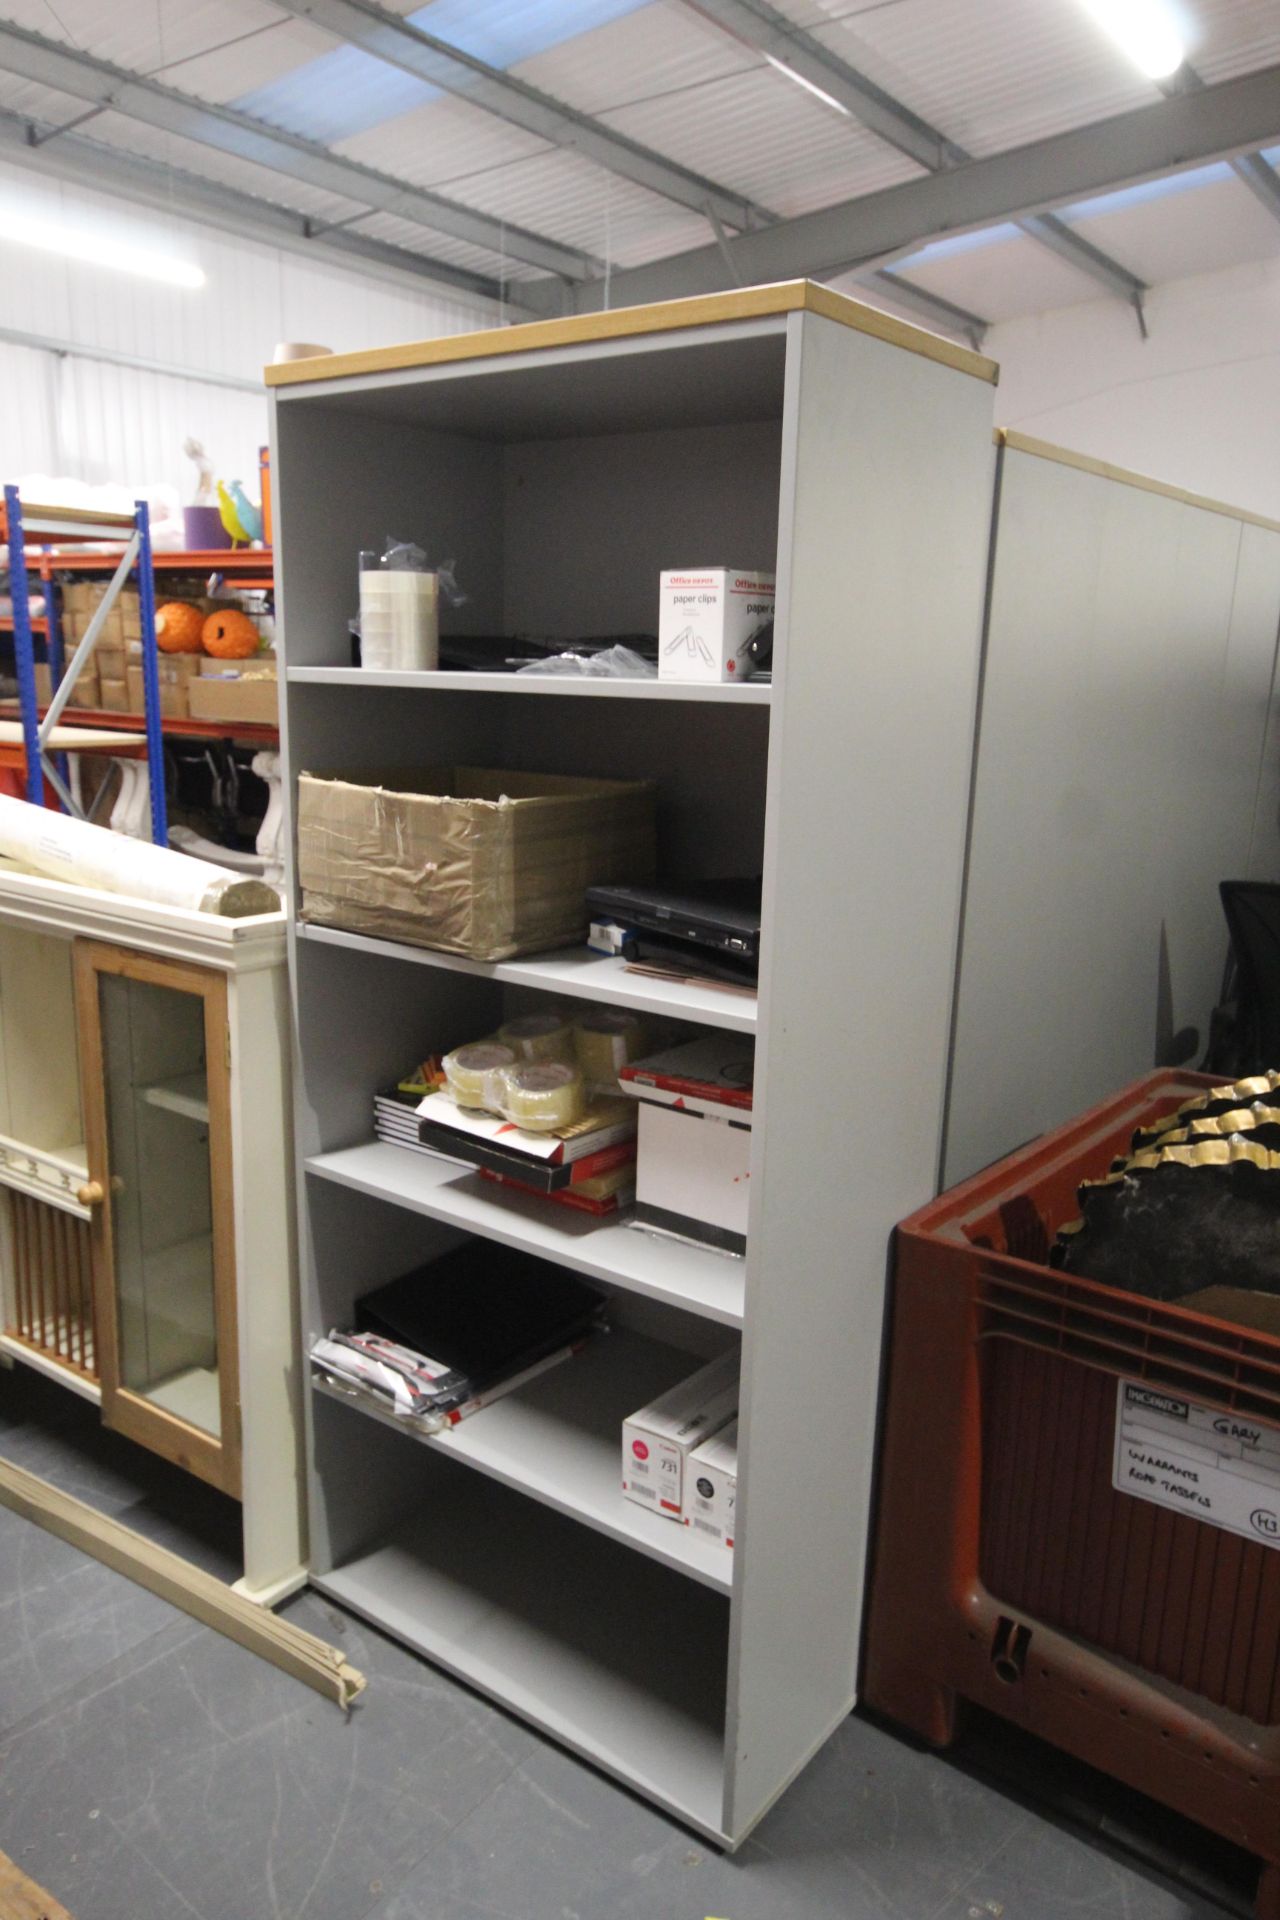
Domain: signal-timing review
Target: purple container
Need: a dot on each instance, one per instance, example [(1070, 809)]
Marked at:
[(202, 529)]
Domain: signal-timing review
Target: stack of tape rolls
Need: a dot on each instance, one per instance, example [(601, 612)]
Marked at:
[(474, 1073), (538, 1036), (543, 1095), (604, 1040)]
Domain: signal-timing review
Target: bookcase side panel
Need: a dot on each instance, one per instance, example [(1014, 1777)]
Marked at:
[(887, 471)]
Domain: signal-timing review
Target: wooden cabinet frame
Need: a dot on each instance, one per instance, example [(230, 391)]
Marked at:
[(215, 1459)]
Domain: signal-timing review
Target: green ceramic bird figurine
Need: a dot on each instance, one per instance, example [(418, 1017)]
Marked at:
[(231, 519)]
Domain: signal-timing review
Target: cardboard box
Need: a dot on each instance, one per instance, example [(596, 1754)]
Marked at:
[(85, 691), (473, 860), (80, 601), (264, 661), (111, 659), (235, 697), (113, 695), (693, 1147), (44, 683), (706, 617), (174, 679), (711, 1490), (658, 1440)]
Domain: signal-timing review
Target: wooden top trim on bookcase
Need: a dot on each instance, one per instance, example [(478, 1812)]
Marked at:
[(745, 303), (1065, 457)]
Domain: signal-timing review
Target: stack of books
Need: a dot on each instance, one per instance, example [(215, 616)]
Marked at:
[(588, 1166)]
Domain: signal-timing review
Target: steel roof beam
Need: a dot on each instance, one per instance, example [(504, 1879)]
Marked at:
[(89, 163), (762, 28), (929, 306), (1261, 179), (1081, 253), (53, 64), (758, 25), (389, 37), (1228, 118), (1254, 169)]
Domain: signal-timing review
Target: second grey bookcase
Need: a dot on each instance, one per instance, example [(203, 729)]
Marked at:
[(562, 466)]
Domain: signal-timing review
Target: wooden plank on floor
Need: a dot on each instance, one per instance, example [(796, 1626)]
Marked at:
[(183, 1585), (22, 1899)]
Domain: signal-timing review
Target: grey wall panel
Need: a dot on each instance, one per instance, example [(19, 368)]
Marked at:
[(1258, 612), (1130, 647)]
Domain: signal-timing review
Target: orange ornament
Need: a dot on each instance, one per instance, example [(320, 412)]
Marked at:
[(178, 627), (230, 636)]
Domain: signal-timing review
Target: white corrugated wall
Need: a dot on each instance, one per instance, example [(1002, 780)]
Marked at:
[(70, 415)]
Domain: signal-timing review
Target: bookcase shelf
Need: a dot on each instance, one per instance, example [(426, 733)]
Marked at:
[(556, 1439), (576, 972), (697, 1279), (749, 694), (784, 431)]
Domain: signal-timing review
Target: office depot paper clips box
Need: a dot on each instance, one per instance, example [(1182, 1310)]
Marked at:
[(658, 1440), (711, 1485), (707, 617), (693, 1145)]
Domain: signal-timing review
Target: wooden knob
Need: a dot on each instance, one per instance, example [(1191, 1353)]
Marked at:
[(91, 1194)]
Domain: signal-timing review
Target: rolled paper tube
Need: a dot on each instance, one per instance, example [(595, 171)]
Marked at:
[(543, 1096), (604, 1041), (538, 1036), (474, 1073)]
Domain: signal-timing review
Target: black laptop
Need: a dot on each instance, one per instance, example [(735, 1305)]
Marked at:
[(717, 919)]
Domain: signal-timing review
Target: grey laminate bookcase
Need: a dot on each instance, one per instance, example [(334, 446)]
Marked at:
[(563, 465)]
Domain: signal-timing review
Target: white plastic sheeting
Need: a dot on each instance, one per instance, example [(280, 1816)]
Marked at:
[(74, 850)]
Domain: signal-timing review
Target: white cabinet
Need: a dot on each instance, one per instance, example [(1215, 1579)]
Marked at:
[(564, 466), (145, 1187)]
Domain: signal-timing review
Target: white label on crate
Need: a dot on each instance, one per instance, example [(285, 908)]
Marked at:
[(1223, 1468)]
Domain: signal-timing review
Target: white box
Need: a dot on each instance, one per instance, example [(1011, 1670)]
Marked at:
[(657, 1441), (711, 1491), (706, 616), (693, 1143)]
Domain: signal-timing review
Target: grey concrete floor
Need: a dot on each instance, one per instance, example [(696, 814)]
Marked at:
[(152, 1770)]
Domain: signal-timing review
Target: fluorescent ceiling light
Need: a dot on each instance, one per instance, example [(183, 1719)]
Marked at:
[(808, 85), (1145, 30), (98, 249)]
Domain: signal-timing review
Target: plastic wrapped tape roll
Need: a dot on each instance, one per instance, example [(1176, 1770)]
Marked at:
[(474, 1074), (543, 1096), (605, 1040), (538, 1036)]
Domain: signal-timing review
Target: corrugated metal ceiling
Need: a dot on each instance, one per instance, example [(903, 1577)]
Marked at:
[(990, 74)]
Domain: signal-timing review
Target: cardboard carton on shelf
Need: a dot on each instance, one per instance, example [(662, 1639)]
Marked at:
[(711, 1492), (693, 1165), (85, 691), (113, 695), (486, 862), (176, 671), (657, 1440), (236, 690)]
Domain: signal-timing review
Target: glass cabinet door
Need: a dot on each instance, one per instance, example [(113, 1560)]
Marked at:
[(154, 1056)]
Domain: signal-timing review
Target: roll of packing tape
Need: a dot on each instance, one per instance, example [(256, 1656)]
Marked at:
[(543, 1095), (474, 1073), (604, 1041), (538, 1036)]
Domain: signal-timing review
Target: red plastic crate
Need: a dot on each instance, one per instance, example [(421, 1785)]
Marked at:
[(1007, 1570)]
